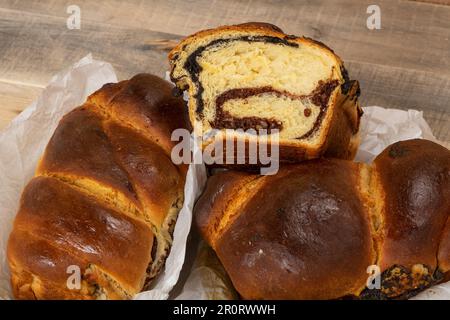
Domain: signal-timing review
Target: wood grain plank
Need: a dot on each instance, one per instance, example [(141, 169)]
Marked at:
[(406, 89), (413, 35), (34, 47), (35, 43), (14, 98), (443, 2)]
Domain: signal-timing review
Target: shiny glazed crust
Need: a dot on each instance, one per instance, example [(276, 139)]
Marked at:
[(312, 230), (105, 197)]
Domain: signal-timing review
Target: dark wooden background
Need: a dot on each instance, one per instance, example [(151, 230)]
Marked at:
[(404, 65)]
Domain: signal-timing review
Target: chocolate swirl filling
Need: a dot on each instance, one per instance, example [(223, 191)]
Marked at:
[(193, 68), (224, 120)]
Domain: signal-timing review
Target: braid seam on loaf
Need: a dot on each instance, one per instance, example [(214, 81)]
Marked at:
[(94, 283)]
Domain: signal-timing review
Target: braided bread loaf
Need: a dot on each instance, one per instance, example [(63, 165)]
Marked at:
[(312, 230), (253, 76), (105, 197)]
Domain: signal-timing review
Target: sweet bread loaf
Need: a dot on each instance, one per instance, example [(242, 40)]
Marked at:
[(253, 76), (105, 197), (312, 230)]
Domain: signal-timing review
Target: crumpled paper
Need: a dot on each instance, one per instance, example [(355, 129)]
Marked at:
[(208, 279), (380, 127), (25, 139)]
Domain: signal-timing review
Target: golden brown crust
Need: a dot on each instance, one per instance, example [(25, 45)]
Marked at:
[(270, 250), (258, 27), (151, 173), (87, 230), (210, 210), (29, 257), (262, 25), (105, 196), (414, 176), (444, 250), (145, 102), (80, 148), (312, 230)]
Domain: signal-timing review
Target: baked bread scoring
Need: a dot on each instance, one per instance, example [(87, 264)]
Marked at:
[(105, 197), (312, 230), (253, 76)]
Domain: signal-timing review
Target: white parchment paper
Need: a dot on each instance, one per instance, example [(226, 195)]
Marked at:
[(24, 140), (382, 127)]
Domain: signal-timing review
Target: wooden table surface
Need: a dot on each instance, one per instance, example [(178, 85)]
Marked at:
[(405, 64)]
